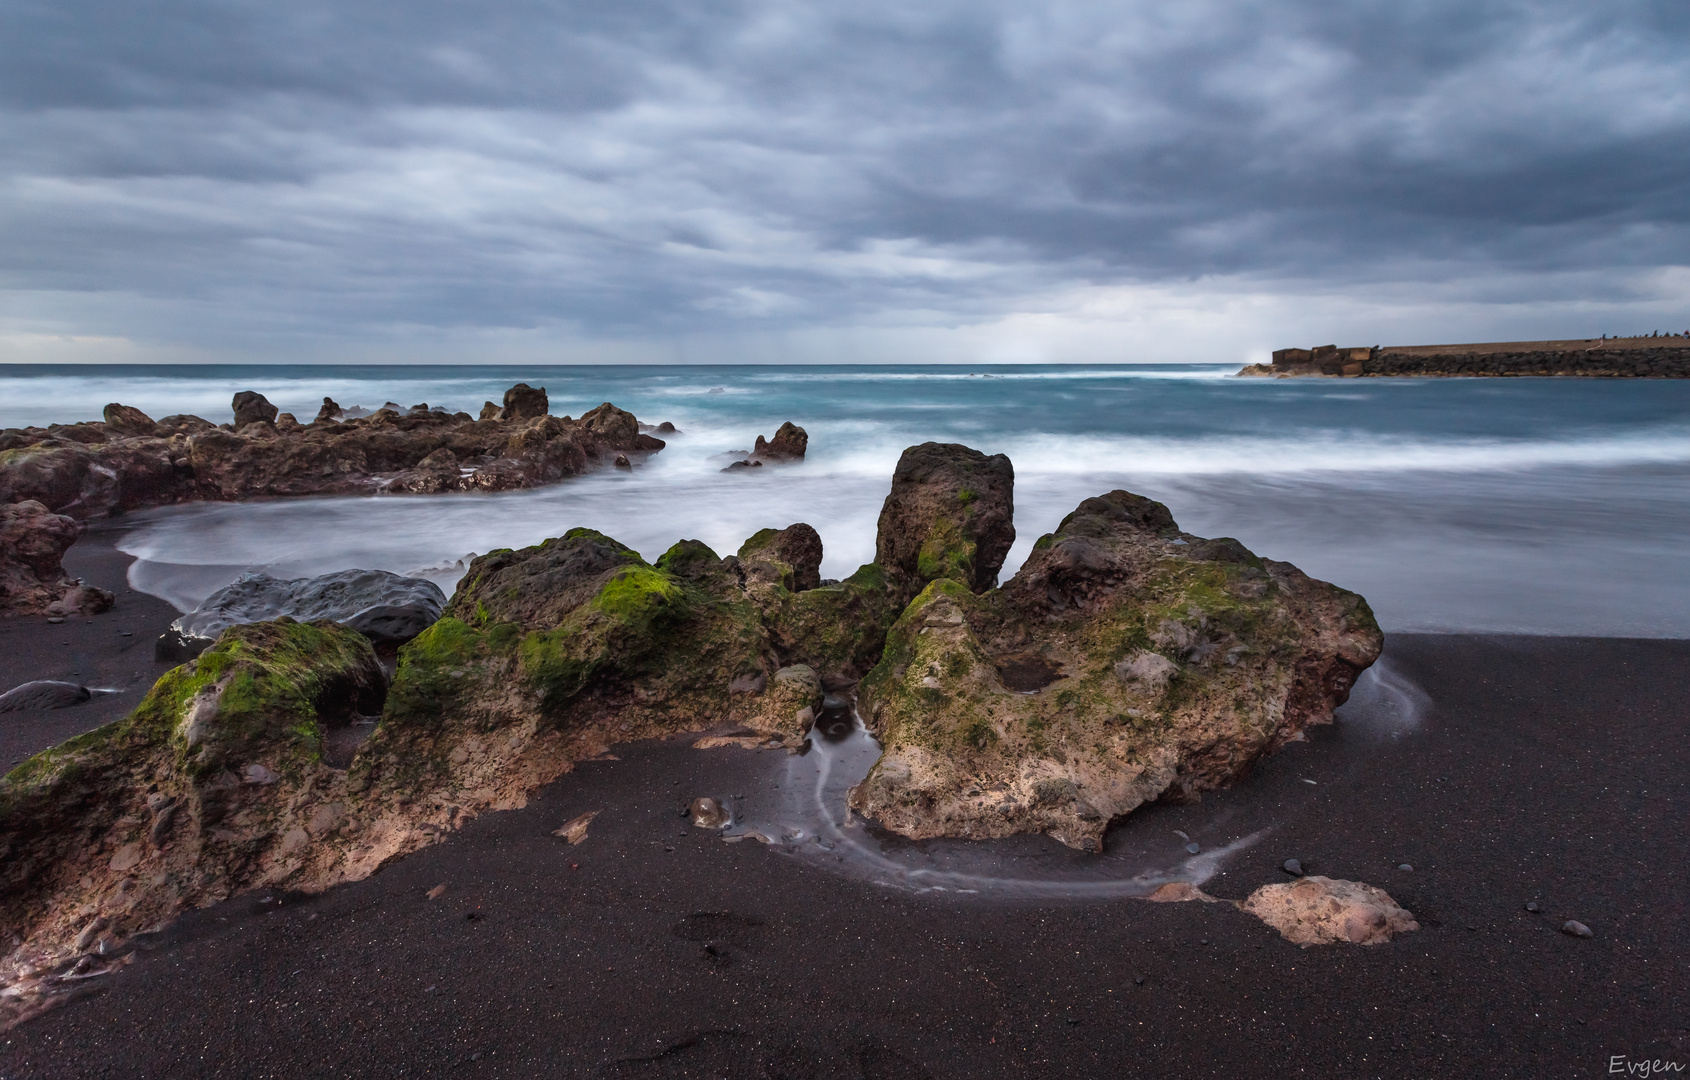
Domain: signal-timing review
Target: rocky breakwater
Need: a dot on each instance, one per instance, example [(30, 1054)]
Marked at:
[(1127, 661), (33, 541), (129, 460)]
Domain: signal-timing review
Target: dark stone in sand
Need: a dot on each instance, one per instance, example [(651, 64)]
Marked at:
[(252, 407), (1532, 906), (387, 608), (43, 694), (1293, 867), (950, 514), (1574, 928)]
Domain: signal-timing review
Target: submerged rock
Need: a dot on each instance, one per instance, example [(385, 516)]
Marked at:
[(387, 608), (90, 470), (33, 541), (1172, 664), (789, 444), (43, 694), (1329, 911)]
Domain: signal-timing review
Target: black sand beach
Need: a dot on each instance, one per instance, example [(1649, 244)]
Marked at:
[(1550, 770)]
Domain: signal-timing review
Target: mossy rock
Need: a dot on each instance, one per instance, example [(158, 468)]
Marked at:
[(1160, 664)]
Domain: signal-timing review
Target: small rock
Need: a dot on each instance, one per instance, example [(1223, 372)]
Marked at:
[(260, 774), (91, 932), (434, 894), (1404, 867), (56, 619), (1574, 928), (1194, 848), (622, 462), (707, 813), (575, 829), (1319, 911), (1293, 867), (43, 694), (1532, 906)]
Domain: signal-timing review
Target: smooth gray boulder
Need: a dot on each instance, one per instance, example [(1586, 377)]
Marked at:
[(387, 608), (43, 694)]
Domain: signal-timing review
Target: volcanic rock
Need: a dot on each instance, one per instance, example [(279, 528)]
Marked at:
[(950, 514), (329, 411), (524, 402), (90, 470), (126, 420), (789, 444), (791, 556), (1247, 653), (264, 695), (1328, 911), (580, 629), (33, 541), (252, 407), (43, 694), (387, 608)]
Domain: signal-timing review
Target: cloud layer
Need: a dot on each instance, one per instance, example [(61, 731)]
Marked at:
[(858, 181)]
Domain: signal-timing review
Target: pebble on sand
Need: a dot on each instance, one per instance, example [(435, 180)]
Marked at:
[(1293, 867), (1574, 928), (1404, 867)]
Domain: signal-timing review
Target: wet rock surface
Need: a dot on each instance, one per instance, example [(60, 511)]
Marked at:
[(1126, 662), (94, 469), (389, 609)]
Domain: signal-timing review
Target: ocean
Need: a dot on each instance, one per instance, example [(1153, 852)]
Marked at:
[(1536, 506)]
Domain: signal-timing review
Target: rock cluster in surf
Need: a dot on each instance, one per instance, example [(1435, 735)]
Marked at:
[(129, 460)]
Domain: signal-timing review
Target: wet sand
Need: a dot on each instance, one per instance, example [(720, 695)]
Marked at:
[(1542, 769), (93, 651)]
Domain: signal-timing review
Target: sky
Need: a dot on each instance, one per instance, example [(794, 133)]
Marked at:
[(745, 181)]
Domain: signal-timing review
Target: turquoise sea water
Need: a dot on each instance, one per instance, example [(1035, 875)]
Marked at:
[(1533, 505)]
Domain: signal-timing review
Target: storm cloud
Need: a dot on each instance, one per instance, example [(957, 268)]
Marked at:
[(593, 181)]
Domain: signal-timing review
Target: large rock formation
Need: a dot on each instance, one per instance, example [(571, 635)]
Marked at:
[(1127, 661), (387, 608), (89, 470), (950, 514), (214, 784), (33, 541)]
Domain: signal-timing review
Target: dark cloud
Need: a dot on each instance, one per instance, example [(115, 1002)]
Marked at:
[(656, 168)]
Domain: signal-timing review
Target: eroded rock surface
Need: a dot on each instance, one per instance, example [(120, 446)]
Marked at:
[(1127, 661), (1329, 911), (789, 444), (950, 514), (93, 469), (214, 784), (33, 541)]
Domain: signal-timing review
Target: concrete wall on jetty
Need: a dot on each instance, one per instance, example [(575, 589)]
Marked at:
[(1614, 358)]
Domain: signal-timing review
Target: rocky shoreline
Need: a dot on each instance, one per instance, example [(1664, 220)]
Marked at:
[(1128, 661), (128, 460)]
